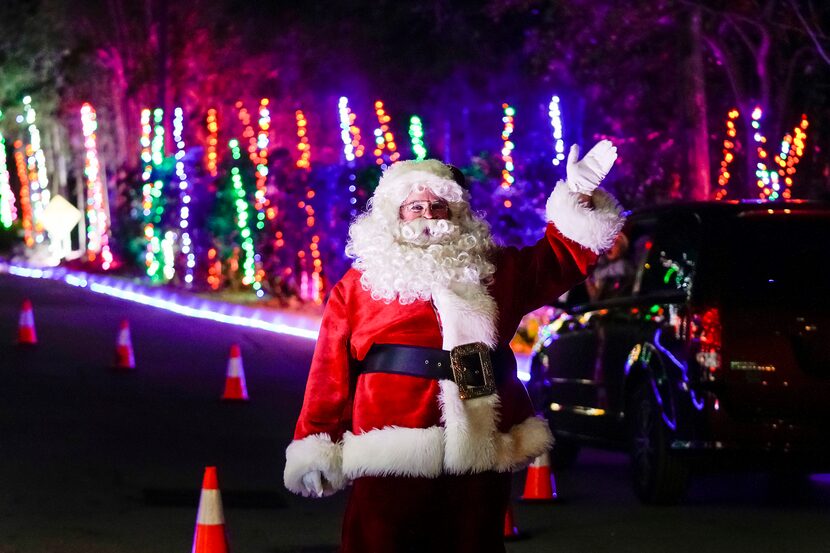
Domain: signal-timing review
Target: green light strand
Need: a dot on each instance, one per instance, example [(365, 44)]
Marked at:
[(243, 210), (416, 137)]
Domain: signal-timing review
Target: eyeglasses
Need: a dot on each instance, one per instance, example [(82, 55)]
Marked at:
[(436, 207)]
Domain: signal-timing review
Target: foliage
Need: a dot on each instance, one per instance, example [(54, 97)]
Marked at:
[(621, 69)]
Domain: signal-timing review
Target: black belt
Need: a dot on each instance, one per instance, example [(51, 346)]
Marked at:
[(471, 367)]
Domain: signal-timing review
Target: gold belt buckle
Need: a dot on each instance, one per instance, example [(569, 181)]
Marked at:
[(472, 370)]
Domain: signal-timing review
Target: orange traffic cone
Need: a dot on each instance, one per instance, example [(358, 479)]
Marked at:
[(210, 536), (124, 357), (511, 531), (540, 484), (26, 325), (235, 388)]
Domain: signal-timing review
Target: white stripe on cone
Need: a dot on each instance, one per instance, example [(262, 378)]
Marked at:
[(27, 318), (235, 368), (540, 461), (124, 337), (210, 509)]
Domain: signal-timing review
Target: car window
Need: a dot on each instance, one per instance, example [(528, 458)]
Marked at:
[(613, 276), (774, 261), (670, 256)]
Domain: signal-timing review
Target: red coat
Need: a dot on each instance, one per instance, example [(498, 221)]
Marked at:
[(384, 424)]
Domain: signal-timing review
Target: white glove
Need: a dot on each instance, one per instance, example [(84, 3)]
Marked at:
[(584, 176), (313, 482)]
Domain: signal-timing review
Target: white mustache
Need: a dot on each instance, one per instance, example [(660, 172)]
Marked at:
[(427, 231)]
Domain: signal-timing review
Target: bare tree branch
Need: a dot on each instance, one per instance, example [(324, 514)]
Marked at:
[(772, 23), (740, 32), (728, 65), (810, 33)]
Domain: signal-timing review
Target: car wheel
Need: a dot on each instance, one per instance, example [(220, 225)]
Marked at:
[(564, 453), (659, 476)]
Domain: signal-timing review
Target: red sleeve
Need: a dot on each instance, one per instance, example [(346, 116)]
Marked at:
[(537, 275), (327, 402)]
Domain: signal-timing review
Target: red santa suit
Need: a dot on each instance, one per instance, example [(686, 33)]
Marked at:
[(400, 426)]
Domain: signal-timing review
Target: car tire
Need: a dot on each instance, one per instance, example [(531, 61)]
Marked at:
[(659, 476), (564, 453)]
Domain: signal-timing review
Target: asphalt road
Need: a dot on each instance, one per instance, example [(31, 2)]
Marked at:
[(96, 461)]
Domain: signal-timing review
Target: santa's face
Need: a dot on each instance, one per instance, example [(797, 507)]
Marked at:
[(424, 204), (407, 246), (424, 219)]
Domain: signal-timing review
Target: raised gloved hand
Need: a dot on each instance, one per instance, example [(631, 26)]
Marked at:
[(313, 482), (585, 175)]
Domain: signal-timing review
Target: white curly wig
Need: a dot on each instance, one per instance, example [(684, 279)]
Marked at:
[(393, 266)]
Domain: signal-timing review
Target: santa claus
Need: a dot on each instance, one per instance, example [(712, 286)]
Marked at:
[(412, 396)]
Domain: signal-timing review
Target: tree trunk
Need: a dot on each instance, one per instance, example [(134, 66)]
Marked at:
[(698, 127), (163, 88), (60, 184), (119, 95), (81, 205)]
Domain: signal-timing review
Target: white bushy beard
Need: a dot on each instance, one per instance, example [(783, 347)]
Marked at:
[(413, 258), (423, 232)]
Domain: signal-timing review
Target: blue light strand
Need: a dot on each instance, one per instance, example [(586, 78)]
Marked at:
[(185, 242), (555, 114)]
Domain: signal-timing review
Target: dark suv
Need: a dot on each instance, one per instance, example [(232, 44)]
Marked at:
[(705, 341)]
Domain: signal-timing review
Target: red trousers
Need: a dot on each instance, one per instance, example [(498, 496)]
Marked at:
[(448, 514)]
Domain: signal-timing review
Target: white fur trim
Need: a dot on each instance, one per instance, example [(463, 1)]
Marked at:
[(314, 453), (593, 228), (470, 437), (523, 443), (403, 177), (468, 314), (393, 450), (468, 443)]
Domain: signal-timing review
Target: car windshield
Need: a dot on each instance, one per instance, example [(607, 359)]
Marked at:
[(772, 260)]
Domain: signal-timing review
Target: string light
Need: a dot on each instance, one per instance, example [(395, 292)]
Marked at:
[(556, 122), (96, 213), (212, 142), (243, 209), (728, 154), (157, 145), (766, 180), (271, 320), (152, 190), (167, 256), (36, 161), (792, 149), (385, 147), (253, 154), (349, 131), (146, 155), (214, 278), (416, 137), (507, 179), (184, 195), (304, 162), (260, 161), (248, 129), (345, 135), (25, 195), (352, 148), (147, 184), (8, 211), (311, 288)]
